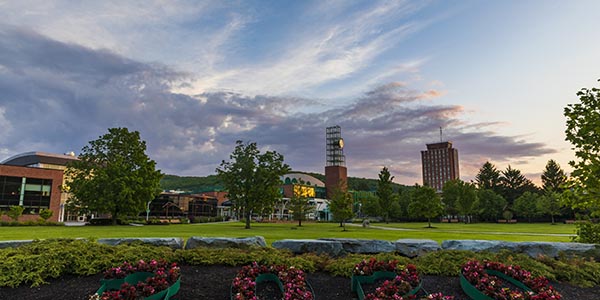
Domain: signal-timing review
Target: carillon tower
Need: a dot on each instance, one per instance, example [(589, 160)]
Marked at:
[(335, 168)]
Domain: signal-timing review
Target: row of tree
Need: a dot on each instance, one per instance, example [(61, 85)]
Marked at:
[(494, 195)]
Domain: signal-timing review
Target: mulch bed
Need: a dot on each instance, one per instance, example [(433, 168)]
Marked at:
[(213, 282)]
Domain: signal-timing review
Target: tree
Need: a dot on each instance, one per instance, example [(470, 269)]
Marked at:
[(425, 203), (45, 214), (583, 131), (14, 212), (450, 193), (549, 204), (114, 175), (488, 177), (299, 203), (490, 205), (370, 206), (340, 204), (526, 205), (385, 193), (252, 179), (553, 177), (514, 184), (463, 197)]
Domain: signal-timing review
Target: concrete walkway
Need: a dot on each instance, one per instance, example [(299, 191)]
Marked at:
[(470, 232)]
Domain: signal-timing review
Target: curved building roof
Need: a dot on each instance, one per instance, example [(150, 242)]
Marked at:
[(32, 158), (298, 177)]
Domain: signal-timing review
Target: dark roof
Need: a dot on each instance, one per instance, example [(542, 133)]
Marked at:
[(30, 158)]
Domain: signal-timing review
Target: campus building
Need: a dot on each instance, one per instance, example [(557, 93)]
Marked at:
[(336, 174), (440, 164), (34, 180)]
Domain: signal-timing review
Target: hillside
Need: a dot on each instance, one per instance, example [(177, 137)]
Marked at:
[(211, 182)]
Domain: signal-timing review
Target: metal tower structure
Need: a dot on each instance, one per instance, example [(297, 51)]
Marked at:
[(335, 147)]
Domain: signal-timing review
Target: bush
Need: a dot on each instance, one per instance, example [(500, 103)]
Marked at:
[(100, 221), (587, 232), (15, 212), (45, 214)]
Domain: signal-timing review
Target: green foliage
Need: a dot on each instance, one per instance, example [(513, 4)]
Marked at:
[(343, 266), (461, 197), (549, 204), (252, 179), (340, 204), (34, 263), (191, 183), (527, 205), (114, 175), (46, 214), (488, 178), (514, 184), (553, 177), (370, 206), (14, 212), (425, 203), (299, 204), (385, 193), (583, 131), (587, 232), (489, 205)]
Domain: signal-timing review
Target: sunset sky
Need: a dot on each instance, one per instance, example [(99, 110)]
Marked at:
[(193, 77)]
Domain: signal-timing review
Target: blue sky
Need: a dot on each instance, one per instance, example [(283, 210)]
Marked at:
[(195, 76)]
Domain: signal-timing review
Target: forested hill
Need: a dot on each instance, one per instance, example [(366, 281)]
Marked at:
[(211, 182)]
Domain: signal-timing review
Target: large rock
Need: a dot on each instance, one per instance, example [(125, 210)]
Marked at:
[(416, 247), (363, 246), (14, 244), (478, 245), (331, 248), (222, 242), (535, 249), (175, 243)]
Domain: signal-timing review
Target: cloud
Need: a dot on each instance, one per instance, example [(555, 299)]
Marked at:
[(58, 96)]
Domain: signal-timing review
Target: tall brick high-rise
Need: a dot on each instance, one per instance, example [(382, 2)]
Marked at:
[(335, 168), (440, 164)]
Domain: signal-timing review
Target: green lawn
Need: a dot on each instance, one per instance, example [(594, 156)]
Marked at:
[(273, 232)]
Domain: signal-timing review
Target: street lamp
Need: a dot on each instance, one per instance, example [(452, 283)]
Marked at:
[(148, 209)]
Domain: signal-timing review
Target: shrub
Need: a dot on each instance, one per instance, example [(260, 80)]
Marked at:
[(100, 221), (45, 214), (15, 212), (587, 232)]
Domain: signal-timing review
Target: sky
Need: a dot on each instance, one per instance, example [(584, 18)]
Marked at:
[(195, 76)]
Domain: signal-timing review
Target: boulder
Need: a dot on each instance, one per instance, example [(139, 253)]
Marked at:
[(175, 243), (550, 249), (416, 247), (331, 248), (223, 242), (14, 244), (478, 245), (363, 246)]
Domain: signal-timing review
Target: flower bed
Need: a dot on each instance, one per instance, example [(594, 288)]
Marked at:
[(291, 281), (404, 281), (483, 281), (155, 280)]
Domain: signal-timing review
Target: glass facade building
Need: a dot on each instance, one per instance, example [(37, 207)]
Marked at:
[(31, 193)]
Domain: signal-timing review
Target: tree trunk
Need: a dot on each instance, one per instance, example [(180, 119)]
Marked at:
[(299, 222), (429, 221), (114, 217), (344, 225), (552, 216), (248, 220)]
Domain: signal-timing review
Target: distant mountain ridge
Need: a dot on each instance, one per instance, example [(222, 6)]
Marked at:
[(211, 182)]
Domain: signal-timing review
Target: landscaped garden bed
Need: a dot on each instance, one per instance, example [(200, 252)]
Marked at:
[(73, 269)]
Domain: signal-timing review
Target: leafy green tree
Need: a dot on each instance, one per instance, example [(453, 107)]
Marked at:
[(549, 204), (114, 175), (514, 184), (488, 178), (462, 196), (14, 212), (583, 131), (340, 205), (252, 179), (553, 177), (526, 205), (450, 193), (385, 193), (46, 214), (370, 206), (299, 204), (425, 203), (490, 205), (404, 196)]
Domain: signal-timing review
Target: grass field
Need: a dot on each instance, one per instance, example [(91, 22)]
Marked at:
[(272, 232)]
